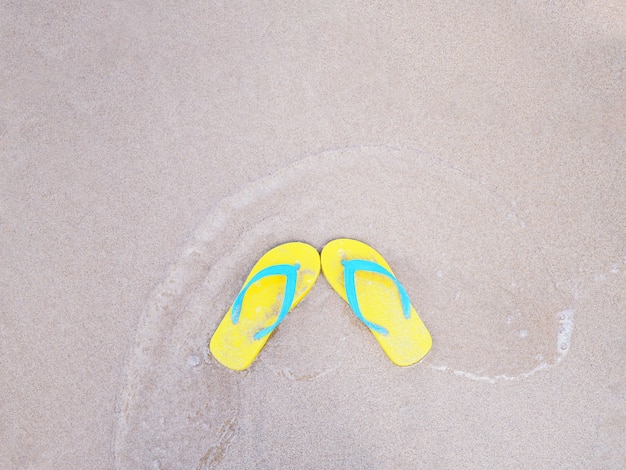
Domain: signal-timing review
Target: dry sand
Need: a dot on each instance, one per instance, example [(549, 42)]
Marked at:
[(150, 152)]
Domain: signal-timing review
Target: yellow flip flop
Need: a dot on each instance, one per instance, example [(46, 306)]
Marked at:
[(276, 284), (362, 277)]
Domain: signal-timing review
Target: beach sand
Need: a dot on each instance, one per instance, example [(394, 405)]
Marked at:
[(151, 152)]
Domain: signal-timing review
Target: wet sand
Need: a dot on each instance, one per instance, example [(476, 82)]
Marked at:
[(149, 155)]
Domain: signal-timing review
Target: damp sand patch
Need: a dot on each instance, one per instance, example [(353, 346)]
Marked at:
[(468, 259)]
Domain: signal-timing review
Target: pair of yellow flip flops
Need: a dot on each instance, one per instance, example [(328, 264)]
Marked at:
[(286, 273)]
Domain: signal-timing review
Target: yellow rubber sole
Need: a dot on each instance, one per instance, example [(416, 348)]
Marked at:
[(408, 340), (234, 345)]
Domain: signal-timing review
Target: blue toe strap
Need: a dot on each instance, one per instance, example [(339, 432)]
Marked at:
[(349, 270), (287, 270)]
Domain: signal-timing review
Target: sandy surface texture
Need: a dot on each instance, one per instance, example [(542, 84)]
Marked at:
[(151, 152)]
